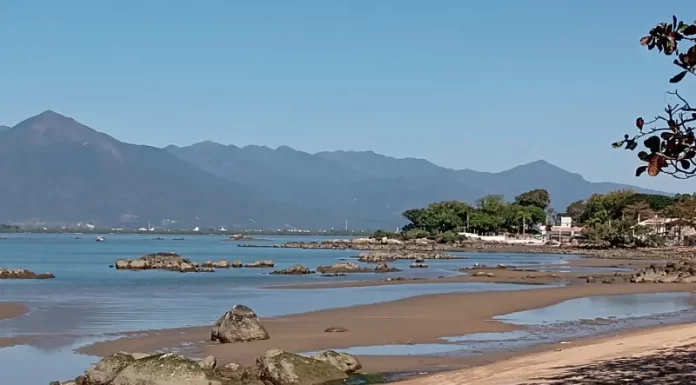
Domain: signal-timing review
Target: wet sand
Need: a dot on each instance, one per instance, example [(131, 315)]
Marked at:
[(422, 319), (660, 355), (12, 310)]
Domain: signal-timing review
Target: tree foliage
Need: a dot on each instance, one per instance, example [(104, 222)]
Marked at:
[(539, 198), (669, 141)]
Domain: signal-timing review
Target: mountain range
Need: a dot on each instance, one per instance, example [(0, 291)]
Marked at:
[(59, 171)]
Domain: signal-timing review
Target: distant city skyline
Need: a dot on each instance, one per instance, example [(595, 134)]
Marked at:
[(484, 86)]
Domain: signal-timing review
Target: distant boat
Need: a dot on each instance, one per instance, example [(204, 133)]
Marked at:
[(99, 239)]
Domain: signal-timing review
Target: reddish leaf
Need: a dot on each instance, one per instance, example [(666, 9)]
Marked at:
[(657, 162), (639, 123), (646, 40)]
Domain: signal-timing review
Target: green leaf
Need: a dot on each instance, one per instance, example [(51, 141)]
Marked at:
[(678, 77), (640, 170), (617, 144)]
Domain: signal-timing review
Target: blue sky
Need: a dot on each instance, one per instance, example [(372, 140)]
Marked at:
[(481, 85)]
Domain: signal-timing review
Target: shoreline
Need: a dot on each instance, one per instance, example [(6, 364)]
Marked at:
[(415, 320), (593, 359)]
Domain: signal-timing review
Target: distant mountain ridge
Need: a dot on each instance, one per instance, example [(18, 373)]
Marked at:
[(59, 171)]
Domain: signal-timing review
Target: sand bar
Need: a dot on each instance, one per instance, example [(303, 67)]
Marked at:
[(12, 310), (422, 319)]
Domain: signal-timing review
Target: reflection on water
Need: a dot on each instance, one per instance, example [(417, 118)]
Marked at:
[(614, 306), (552, 324), (33, 366)]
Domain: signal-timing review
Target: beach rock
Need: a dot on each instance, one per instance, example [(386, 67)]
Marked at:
[(232, 367), (221, 264), (107, 369), (347, 363), (238, 325), (138, 356), (23, 274), (490, 275), (294, 270), (393, 255), (158, 261), (160, 369), (335, 329), (343, 267), (260, 264), (209, 363), (277, 367), (416, 265), (480, 274), (590, 280), (237, 264), (384, 268)]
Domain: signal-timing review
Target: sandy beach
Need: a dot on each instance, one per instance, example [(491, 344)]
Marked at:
[(422, 319), (656, 356)]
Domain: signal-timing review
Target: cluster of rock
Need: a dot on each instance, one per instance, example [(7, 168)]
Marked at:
[(175, 262), (356, 244), (222, 264), (23, 274), (393, 255), (274, 367), (294, 270), (159, 261), (352, 267), (672, 272)]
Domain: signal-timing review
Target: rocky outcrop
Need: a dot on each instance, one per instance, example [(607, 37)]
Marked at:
[(107, 369), (277, 367), (347, 363), (260, 264), (23, 274), (393, 255), (238, 325), (418, 265), (382, 267), (294, 270), (343, 267), (160, 369), (221, 264), (237, 264), (672, 272), (159, 261), (209, 363)]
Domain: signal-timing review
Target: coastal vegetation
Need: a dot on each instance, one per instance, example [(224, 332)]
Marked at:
[(616, 218)]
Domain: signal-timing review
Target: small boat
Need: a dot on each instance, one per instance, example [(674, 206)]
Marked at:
[(99, 239)]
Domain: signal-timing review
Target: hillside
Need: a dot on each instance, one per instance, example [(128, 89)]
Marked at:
[(57, 170), (369, 185)]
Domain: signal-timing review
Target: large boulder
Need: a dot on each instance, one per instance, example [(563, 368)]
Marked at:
[(294, 270), (277, 367), (238, 325), (347, 363), (164, 369), (108, 368)]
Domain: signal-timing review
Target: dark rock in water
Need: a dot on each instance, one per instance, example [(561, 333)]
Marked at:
[(260, 264), (416, 265), (23, 274), (343, 267), (331, 275), (294, 270), (335, 329), (238, 325), (277, 367)]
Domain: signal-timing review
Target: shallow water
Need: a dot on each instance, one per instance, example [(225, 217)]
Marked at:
[(556, 323), (88, 299)]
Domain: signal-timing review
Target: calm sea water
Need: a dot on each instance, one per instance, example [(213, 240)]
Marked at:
[(89, 298)]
